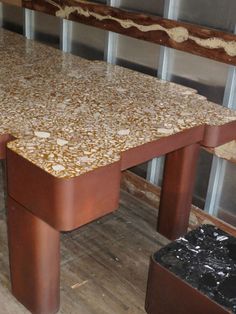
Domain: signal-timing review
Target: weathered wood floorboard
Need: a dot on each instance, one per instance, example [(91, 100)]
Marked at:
[(150, 194), (104, 264)]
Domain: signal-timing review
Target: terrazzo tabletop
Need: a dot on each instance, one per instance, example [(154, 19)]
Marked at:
[(70, 115), (227, 151)]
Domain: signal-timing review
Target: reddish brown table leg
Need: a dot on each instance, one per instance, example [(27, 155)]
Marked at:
[(34, 250), (177, 189)]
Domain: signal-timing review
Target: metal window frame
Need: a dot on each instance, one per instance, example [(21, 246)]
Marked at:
[(66, 35), (29, 23), (110, 53)]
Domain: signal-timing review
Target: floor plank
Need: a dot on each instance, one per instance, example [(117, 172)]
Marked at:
[(103, 264)]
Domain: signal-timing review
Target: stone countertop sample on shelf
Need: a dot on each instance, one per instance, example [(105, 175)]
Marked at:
[(206, 259), (70, 115), (227, 151)]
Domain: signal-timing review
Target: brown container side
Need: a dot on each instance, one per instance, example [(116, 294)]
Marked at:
[(169, 294), (65, 204)]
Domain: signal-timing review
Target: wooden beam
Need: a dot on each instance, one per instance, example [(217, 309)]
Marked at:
[(209, 43), (13, 2), (150, 194)]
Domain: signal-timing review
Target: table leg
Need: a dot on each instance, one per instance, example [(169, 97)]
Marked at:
[(177, 190), (34, 249)]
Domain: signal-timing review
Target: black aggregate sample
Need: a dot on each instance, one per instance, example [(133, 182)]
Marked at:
[(206, 259)]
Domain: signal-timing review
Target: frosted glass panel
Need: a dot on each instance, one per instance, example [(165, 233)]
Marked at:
[(207, 76), (202, 178), (220, 14), (47, 29), (87, 41), (13, 18), (152, 6), (227, 202), (138, 54)]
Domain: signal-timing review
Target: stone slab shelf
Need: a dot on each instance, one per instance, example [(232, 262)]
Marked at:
[(197, 272)]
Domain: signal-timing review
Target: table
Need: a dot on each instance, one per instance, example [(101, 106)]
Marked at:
[(71, 126)]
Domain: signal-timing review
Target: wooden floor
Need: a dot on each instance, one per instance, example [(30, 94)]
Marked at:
[(104, 264)]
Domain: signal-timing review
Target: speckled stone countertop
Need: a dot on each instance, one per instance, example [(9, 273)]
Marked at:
[(71, 116), (227, 151), (205, 258)]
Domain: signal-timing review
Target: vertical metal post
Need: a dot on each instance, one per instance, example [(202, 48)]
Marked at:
[(29, 24), (65, 35), (215, 185), (171, 11), (218, 167), (110, 52), (230, 89), (155, 170)]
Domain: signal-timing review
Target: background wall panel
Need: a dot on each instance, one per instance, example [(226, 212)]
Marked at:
[(46, 29), (138, 54), (152, 6), (87, 41), (13, 18), (219, 14), (226, 208)]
